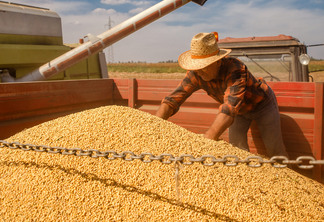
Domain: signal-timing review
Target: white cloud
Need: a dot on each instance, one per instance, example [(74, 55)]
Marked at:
[(104, 11), (244, 20), (123, 2), (136, 11), (169, 36), (60, 7), (94, 22)]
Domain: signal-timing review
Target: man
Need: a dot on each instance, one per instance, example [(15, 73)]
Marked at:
[(243, 98)]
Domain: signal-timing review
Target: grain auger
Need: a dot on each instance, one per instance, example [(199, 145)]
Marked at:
[(102, 41)]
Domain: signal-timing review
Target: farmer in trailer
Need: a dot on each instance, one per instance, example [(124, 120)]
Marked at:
[(243, 97)]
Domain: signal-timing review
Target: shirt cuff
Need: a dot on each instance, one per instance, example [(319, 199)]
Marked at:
[(228, 110), (172, 103)]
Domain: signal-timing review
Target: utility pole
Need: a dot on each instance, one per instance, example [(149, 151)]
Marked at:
[(110, 51)]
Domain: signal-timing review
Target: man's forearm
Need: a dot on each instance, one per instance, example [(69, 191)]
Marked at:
[(164, 111), (220, 124)]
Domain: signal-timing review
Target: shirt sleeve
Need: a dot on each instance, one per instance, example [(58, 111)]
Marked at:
[(234, 96), (185, 88)]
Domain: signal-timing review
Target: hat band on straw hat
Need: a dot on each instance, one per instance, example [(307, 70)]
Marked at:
[(204, 56), (203, 52)]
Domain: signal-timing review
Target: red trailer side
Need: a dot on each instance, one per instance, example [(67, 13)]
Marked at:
[(301, 106)]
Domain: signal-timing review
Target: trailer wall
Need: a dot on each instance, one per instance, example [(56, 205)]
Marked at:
[(301, 106)]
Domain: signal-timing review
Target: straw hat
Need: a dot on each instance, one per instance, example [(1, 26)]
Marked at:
[(203, 52)]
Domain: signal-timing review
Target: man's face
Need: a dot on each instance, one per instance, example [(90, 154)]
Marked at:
[(210, 72)]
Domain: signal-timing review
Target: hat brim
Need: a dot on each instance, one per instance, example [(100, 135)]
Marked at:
[(186, 62)]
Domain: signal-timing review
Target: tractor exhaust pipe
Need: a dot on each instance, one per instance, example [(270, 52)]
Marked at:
[(98, 43)]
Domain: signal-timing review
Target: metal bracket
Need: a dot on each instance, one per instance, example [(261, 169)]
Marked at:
[(200, 2), (92, 38), (6, 77)]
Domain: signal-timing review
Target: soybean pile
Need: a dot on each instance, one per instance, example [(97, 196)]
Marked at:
[(52, 187)]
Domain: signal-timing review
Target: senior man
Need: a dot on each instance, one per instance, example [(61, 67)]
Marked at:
[(243, 97)]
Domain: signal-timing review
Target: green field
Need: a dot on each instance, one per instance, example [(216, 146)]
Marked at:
[(145, 67), (279, 70), (314, 66)]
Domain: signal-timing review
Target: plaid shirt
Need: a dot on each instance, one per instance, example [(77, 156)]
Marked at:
[(235, 88)]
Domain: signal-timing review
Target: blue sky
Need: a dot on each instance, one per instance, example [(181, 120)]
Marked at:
[(169, 36)]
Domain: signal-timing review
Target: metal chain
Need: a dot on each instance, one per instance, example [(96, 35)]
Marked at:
[(302, 162)]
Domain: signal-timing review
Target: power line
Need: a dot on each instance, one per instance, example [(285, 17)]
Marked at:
[(315, 45)]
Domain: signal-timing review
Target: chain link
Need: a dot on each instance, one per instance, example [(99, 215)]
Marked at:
[(302, 162)]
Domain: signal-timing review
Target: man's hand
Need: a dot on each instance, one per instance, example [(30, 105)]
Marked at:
[(220, 124), (164, 111)]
